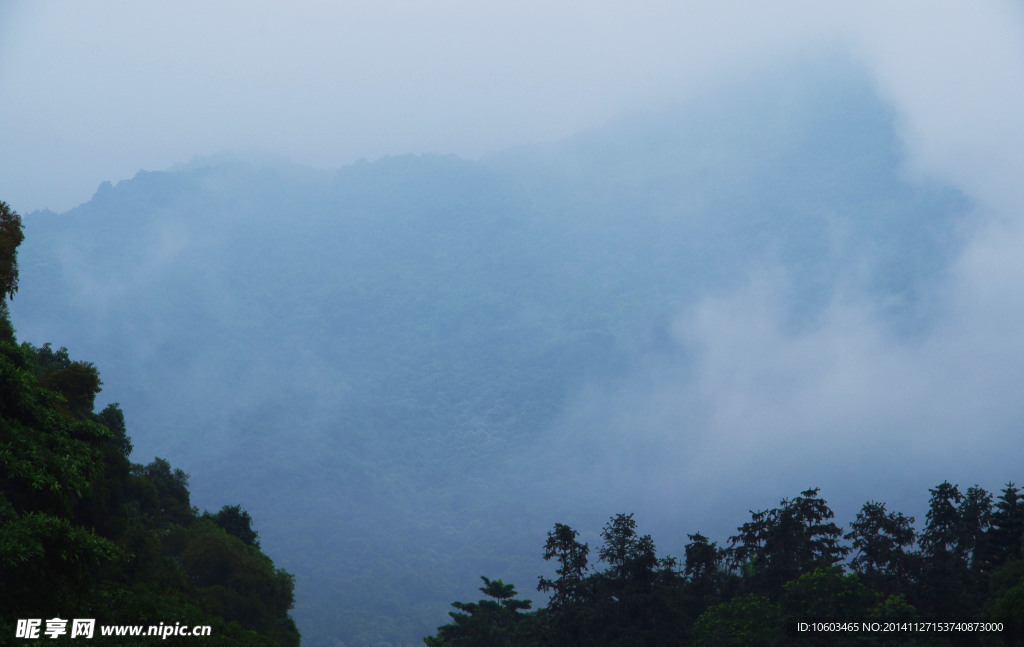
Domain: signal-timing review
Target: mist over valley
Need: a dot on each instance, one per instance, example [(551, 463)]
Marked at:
[(407, 369)]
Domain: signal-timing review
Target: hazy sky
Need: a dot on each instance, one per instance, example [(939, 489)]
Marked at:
[(97, 91)]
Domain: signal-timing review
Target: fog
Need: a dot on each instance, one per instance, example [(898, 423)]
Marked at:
[(688, 261), (845, 401), (95, 93)]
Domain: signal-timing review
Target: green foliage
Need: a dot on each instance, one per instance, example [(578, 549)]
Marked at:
[(46, 560), (236, 522), (941, 537), (113, 419), (569, 589), (637, 596), (232, 580), (782, 543), (11, 235), (881, 541), (1006, 537), (827, 593), (77, 382), (975, 518), (745, 621), (1006, 597), (165, 491), (497, 622), (707, 579), (81, 528), (954, 551), (628, 555), (49, 455)]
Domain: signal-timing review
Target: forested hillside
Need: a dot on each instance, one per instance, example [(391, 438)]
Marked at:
[(959, 581), (85, 533), (408, 368)]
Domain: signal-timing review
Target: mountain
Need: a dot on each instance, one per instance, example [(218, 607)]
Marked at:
[(376, 359)]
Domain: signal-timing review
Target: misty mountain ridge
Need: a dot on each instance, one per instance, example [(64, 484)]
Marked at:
[(370, 355)]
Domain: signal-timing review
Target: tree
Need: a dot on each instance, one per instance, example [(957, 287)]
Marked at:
[(1006, 603), (629, 556), (113, 419), (827, 593), (975, 517), (487, 623), (570, 586), (1006, 533), (942, 532), (236, 522), (77, 382), (563, 621), (11, 235), (702, 558), (881, 540), (169, 496), (706, 577), (951, 575), (232, 580), (745, 621), (780, 544), (635, 599)]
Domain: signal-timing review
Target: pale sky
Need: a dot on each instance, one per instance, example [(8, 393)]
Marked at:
[(97, 91)]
